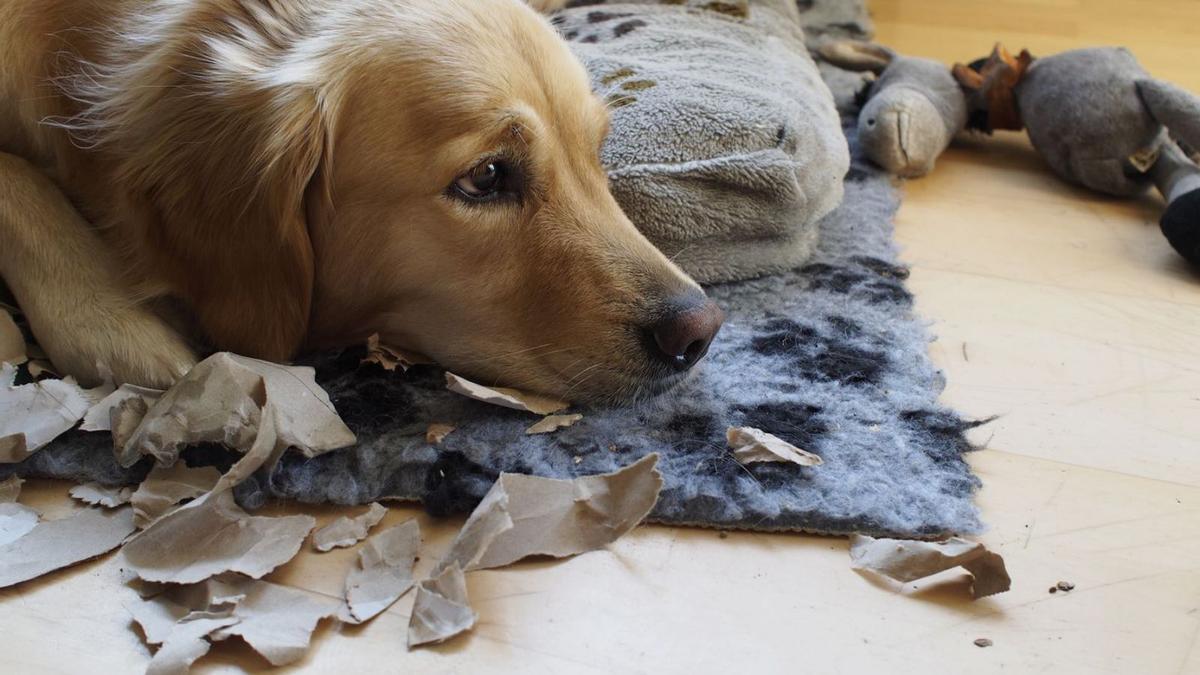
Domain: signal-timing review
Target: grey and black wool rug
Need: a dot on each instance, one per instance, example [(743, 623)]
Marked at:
[(829, 357)]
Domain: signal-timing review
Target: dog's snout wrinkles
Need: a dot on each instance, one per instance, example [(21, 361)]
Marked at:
[(683, 336)]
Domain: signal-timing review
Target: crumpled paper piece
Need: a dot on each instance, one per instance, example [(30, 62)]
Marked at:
[(225, 400), (55, 544), (10, 489), (12, 342), (383, 572), (441, 609), (905, 560), (165, 487), (98, 495), (528, 515), (32, 415), (210, 536), (504, 397), (345, 531), (391, 358), (552, 423), (100, 416), (436, 433), (276, 621), (752, 445)]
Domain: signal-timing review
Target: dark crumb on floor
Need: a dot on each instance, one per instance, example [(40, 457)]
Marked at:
[(723, 535), (983, 642), (1054, 589), (1065, 586)]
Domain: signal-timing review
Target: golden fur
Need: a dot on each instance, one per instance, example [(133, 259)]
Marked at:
[(280, 169)]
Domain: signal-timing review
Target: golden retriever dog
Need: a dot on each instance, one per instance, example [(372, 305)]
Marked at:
[(274, 176)]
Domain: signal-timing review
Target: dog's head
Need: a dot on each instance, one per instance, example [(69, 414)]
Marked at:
[(427, 170)]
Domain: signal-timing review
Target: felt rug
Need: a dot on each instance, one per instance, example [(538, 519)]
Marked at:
[(829, 357)]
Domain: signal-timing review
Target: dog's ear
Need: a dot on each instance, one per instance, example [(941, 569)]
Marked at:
[(214, 164)]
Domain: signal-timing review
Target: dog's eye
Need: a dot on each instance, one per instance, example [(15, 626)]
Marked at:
[(486, 181)]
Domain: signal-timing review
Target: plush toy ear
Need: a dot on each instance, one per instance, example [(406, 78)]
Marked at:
[(857, 56), (1175, 108), (213, 165)]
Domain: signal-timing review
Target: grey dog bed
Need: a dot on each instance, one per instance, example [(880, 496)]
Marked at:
[(828, 356)]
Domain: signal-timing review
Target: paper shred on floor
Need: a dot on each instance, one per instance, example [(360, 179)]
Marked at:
[(55, 544), (345, 531), (225, 399), (528, 515), (552, 423), (99, 495), (383, 572), (32, 415), (165, 487), (12, 342), (391, 358), (504, 397), (752, 445), (16, 521), (905, 560), (276, 621), (210, 536), (441, 609), (100, 416), (436, 433), (10, 489)]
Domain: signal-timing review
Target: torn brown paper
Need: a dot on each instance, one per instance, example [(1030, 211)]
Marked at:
[(98, 495), (276, 621), (125, 419), (55, 544), (527, 515), (436, 433), (752, 445), (185, 643), (12, 342), (904, 560), (441, 609), (32, 415), (345, 531), (391, 358), (165, 487), (16, 521), (552, 423), (100, 416), (383, 573), (223, 400), (507, 398), (10, 489), (210, 536)]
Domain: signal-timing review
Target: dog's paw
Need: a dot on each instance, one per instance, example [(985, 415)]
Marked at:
[(129, 346)]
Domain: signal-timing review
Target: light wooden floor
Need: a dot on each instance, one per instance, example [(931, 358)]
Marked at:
[(1062, 311)]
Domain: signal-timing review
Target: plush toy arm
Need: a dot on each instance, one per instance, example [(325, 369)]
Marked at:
[(1175, 108), (856, 55)]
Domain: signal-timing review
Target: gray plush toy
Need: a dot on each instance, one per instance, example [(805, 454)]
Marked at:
[(726, 149), (911, 111), (1100, 121)]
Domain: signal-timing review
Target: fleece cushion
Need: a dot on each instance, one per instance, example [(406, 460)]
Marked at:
[(726, 148)]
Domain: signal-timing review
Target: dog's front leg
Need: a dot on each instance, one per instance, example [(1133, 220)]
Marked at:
[(67, 285)]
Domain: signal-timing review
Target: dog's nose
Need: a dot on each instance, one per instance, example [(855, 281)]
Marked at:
[(682, 336)]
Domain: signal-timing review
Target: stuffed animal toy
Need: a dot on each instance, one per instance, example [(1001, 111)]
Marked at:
[(910, 113), (1100, 121)]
